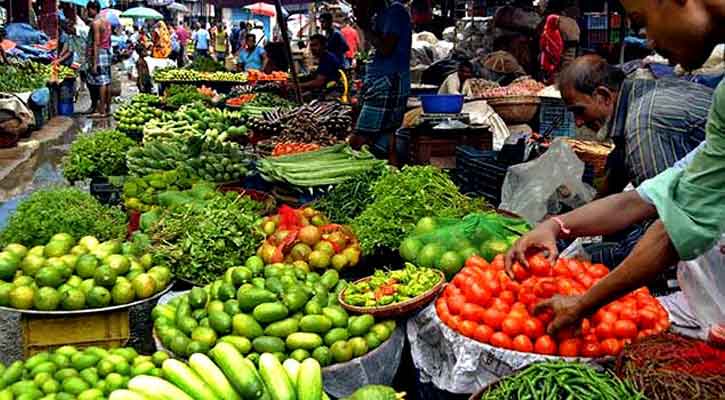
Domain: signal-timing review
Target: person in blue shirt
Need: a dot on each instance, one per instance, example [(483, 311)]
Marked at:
[(328, 66), (201, 40), (336, 43), (252, 56), (386, 87)]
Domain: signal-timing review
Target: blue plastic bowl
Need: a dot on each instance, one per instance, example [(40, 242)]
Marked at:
[(442, 103)]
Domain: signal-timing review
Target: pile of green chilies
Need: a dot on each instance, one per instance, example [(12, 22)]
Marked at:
[(561, 380)]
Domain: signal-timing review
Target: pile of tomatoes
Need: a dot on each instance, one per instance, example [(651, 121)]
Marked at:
[(483, 303)]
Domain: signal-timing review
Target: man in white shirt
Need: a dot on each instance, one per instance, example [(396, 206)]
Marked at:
[(457, 82)]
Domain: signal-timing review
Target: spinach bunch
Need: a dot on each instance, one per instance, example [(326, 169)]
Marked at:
[(99, 154), (62, 210), (348, 199), (401, 199), (201, 240)]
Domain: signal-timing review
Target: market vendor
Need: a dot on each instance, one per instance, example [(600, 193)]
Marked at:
[(653, 123), (386, 87), (688, 199), (252, 56), (328, 67), (457, 82), (336, 43)]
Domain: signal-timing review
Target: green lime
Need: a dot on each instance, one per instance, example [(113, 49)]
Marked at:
[(74, 281), (98, 297), (255, 264), (204, 335), (32, 264), (63, 237), (56, 248), (450, 263), (17, 249), (105, 276), (146, 261), (114, 381), (47, 299), (50, 386), (162, 276), (87, 285), (73, 299), (37, 251), (425, 225), (86, 266), (89, 242), (5, 289), (105, 367), (144, 286), (410, 248), (21, 297), (123, 368), (122, 292), (118, 263), (429, 254), (159, 357), (48, 276), (8, 265)]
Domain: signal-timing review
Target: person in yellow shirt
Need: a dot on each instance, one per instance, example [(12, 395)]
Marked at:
[(221, 42), (161, 41)]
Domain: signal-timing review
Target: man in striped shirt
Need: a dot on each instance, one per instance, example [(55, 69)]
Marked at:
[(653, 123)]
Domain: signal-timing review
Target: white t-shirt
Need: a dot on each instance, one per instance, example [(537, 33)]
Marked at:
[(452, 85)]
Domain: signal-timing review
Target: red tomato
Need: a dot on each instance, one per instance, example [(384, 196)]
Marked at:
[(545, 345), (500, 305), (502, 340), (451, 290), (545, 288), (472, 312), (561, 269), (518, 313), (520, 273), (507, 296), (590, 338), (591, 349), (533, 328), (610, 347), (467, 328), (455, 303), (545, 316), (601, 316), (477, 261), (565, 334), (647, 317), (518, 306), (570, 348), (598, 271), (493, 286), (489, 275), (565, 286), (585, 280), (493, 318), (585, 326), (498, 262), (527, 297), (523, 344), (454, 322), (483, 333), (539, 266), (460, 280), (625, 329), (441, 306), (629, 313), (575, 267), (479, 295), (604, 330), (512, 326)]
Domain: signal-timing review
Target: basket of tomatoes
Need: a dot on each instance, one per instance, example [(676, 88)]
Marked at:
[(484, 304)]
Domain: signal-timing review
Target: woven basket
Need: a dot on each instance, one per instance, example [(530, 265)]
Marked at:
[(396, 310), (515, 109), (592, 153)]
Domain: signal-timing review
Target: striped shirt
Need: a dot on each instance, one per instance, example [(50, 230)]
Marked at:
[(656, 123)]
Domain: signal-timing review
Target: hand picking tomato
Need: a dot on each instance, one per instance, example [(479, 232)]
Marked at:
[(485, 304)]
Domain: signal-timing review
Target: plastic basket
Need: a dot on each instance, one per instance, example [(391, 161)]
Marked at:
[(555, 118), (105, 192), (442, 103), (66, 108)]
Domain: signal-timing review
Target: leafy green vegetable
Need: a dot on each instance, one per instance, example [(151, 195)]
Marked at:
[(202, 239), (69, 210), (205, 64), (401, 199), (100, 154), (179, 95), (347, 200)]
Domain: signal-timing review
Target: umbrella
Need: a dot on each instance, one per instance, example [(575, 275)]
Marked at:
[(112, 16), (142, 12), (83, 3), (262, 9), (178, 8)]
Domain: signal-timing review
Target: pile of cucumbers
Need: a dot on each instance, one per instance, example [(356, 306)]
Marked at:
[(68, 373), (278, 309)]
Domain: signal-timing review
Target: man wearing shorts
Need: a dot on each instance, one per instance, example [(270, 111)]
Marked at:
[(99, 58)]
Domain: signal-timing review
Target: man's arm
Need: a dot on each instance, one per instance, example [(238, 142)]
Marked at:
[(96, 42), (317, 83)]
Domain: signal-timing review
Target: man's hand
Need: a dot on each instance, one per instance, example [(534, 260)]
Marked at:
[(357, 141), (567, 311), (542, 237)]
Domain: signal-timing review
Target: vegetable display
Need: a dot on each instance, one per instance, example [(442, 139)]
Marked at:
[(70, 373), (524, 87), (69, 275), (446, 243), (142, 193), (306, 237), (345, 201), (202, 239), (101, 154), (240, 100), (205, 64), (385, 288), (132, 116), (322, 123), (426, 192), (561, 380), (277, 309), (196, 120), (179, 95), (188, 75), (327, 166), (283, 149), (668, 366), (26, 76), (483, 303), (49, 211)]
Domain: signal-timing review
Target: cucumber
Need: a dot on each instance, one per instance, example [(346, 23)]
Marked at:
[(240, 371), (276, 378), (213, 376), (293, 369), (309, 380), (156, 388), (185, 378), (123, 394)]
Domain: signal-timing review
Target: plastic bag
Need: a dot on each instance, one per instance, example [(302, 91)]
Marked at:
[(486, 234), (547, 185), (703, 283)]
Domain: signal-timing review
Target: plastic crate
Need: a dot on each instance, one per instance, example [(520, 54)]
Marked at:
[(105, 192), (596, 21), (479, 173), (556, 118), (43, 333), (597, 37)]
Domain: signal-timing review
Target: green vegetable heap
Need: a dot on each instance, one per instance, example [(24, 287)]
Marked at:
[(205, 64), (561, 380), (385, 288), (196, 120), (141, 194), (277, 309), (347, 200), (101, 154), (179, 95), (68, 373), (69, 275), (26, 76), (401, 199), (187, 75), (132, 116), (49, 211), (202, 239)]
